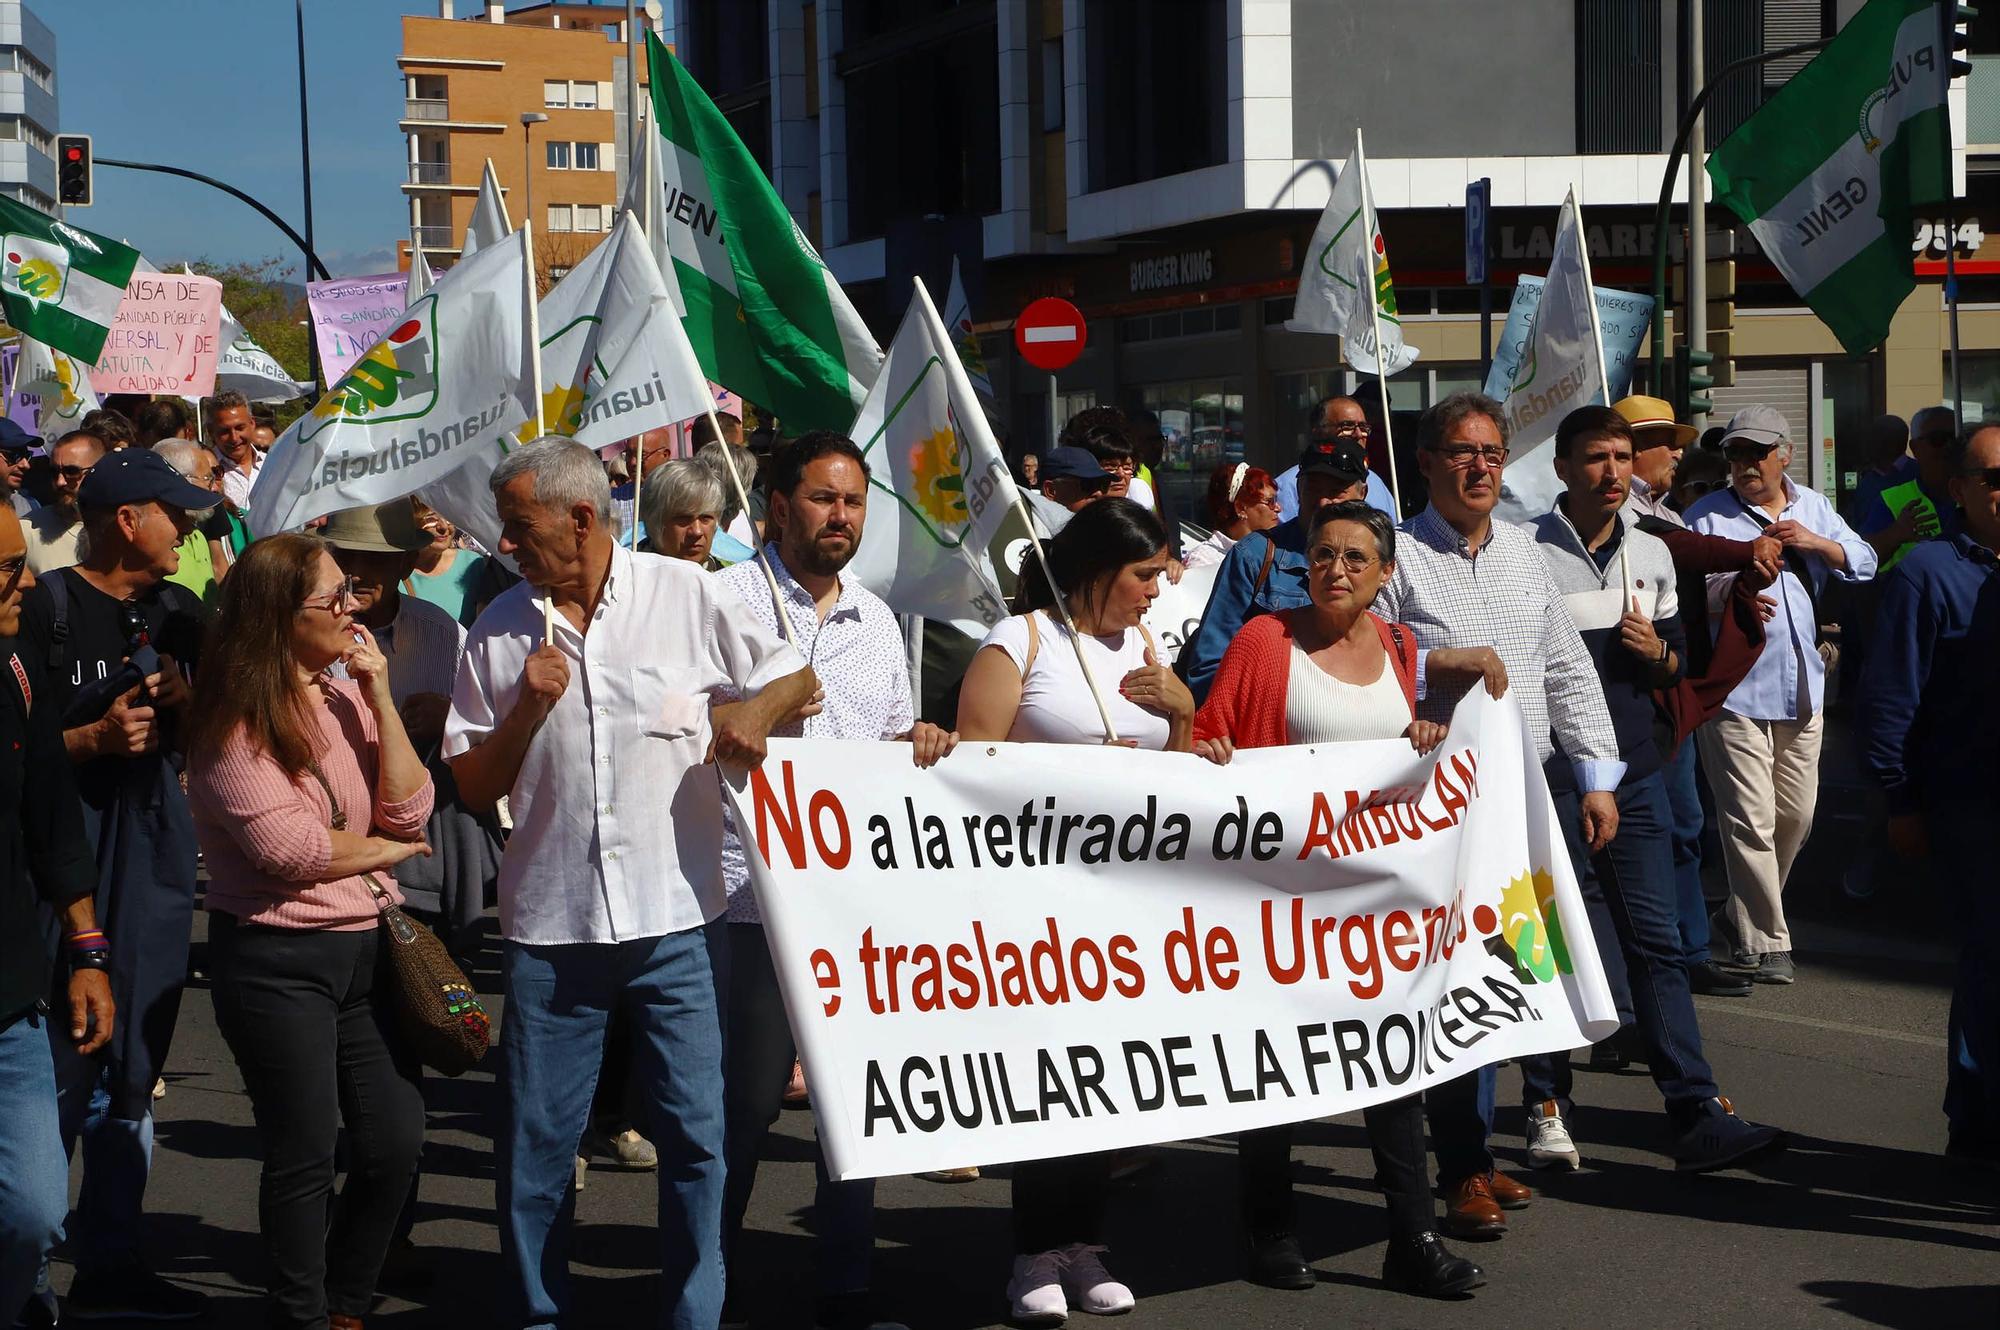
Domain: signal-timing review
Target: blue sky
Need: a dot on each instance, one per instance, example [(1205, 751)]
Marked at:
[(212, 86)]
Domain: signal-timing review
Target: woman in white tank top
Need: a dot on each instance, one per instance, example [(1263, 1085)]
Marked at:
[(1025, 685), (1332, 672)]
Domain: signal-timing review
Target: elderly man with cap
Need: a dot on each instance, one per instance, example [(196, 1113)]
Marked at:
[(1658, 440), (1761, 752), (1071, 479), (115, 641), (1266, 570)]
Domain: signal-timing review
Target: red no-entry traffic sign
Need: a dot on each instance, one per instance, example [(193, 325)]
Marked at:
[(1049, 334)]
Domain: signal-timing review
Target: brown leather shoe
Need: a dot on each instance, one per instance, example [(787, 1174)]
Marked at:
[(1471, 1211), (1507, 1193)]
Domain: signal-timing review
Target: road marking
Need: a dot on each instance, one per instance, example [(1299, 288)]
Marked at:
[(1837, 1027)]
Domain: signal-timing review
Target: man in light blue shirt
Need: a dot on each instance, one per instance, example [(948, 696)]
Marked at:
[(1761, 752), (1332, 420)]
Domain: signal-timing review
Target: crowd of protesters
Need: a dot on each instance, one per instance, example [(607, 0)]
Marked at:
[(373, 715)]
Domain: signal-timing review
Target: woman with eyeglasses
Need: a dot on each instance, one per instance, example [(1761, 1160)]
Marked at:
[(306, 795), (1331, 671), (1241, 499)]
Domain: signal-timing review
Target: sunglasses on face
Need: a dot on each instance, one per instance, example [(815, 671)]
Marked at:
[(1989, 476), (14, 456), (1748, 452), (1696, 489)]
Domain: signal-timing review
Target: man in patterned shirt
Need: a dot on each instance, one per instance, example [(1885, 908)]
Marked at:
[(1464, 581), (818, 504)]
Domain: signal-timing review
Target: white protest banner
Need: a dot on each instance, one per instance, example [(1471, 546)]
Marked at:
[(248, 368), (165, 337), (59, 382), (1622, 316), (350, 313), (1038, 950), (1176, 612), (444, 388)]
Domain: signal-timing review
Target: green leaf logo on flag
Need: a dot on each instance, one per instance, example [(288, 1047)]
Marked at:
[(397, 379), (34, 269)]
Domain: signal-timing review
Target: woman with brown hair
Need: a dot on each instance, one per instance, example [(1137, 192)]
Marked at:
[(306, 793)]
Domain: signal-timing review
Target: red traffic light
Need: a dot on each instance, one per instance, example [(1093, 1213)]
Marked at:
[(74, 153)]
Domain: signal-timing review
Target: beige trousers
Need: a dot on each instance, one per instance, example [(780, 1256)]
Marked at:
[(1765, 777)]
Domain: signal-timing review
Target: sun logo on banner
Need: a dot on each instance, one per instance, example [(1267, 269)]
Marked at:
[(1385, 290), (34, 268), (564, 409), (1531, 925), (396, 380), (68, 400), (937, 478)]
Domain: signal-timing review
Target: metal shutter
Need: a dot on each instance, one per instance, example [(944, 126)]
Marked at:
[(1618, 76), (1787, 387), (1787, 23)]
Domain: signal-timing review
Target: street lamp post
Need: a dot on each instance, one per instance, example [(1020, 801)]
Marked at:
[(529, 119)]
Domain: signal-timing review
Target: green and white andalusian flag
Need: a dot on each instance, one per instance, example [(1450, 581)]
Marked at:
[(1828, 172), (60, 284), (766, 318)]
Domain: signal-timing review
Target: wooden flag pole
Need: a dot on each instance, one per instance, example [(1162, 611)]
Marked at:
[(1062, 608), (763, 559), (1375, 320)]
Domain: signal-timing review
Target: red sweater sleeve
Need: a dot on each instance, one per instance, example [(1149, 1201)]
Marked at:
[(1247, 700), (1694, 552)]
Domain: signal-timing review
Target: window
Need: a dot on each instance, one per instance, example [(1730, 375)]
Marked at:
[(555, 92), (1618, 76), (1155, 84), (583, 96), (1052, 84), (923, 132), (586, 156), (558, 155), (589, 217), (1202, 421), (558, 217)]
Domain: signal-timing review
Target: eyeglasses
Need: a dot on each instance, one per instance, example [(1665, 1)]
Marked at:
[(1119, 466), (1461, 455), (1989, 476), (75, 474), (14, 456), (10, 570), (1340, 429), (1700, 488), (1324, 557), (334, 601), (1748, 452)]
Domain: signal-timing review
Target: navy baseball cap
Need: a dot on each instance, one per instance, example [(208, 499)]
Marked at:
[(14, 439), (140, 475), (1342, 458), (1075, 463)]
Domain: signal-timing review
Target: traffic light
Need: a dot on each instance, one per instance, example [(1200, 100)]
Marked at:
[(1959, 19), (1693, 379), (73, 170)]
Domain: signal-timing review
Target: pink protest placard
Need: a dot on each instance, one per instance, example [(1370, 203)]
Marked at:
[(165, 337), (350, 313)]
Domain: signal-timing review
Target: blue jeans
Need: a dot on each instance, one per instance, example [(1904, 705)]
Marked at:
[(1628, 892), (1683, 776), (559, 1001), (117, 1159), (1961, 855), (34, 1177)]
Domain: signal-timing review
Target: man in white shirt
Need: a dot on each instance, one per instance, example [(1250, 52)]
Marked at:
[(55, 532), (585, 699), (1761, 752), (232, 432)]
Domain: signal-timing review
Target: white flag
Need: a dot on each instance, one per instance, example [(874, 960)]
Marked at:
[(1561, 369), (489, 224), (442, 389), (1345, 287), (942, 501), (421, 277), (958, 320), (644, 199), (248, 368), (61, 381)]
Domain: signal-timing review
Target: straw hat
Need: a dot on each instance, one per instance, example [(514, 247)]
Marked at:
[(387, 528), (1650, 413)]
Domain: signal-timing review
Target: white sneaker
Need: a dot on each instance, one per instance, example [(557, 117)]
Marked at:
[(1549, 1143), (1090, 1286), (1035, 1292)]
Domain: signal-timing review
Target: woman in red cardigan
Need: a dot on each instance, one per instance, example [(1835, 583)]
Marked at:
[(1331, 672)]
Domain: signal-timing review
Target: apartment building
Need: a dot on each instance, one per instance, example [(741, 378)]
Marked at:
[(468, 80), (28, 119)]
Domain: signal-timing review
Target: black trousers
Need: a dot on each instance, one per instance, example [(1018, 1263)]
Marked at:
[(1395, 1135), (300, 1012), (1060, 1201)]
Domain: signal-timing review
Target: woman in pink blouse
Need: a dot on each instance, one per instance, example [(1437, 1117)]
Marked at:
[(300, 785)]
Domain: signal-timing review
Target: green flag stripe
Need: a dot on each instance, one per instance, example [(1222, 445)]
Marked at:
[(776, 341), (59, 328), (1859, 300), (1822, 107)]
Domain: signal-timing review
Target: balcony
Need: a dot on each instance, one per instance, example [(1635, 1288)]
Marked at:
[(426, 108), (435, 238), (430, 173)]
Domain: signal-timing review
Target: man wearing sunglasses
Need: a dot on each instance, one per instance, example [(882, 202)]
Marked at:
[(115, 641), (1918, 506), (1761, 752), (17, 453), (1930, 735), (55, 531)]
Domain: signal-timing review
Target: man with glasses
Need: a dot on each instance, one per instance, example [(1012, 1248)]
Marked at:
[(116, 642), (1761, 752), (1329, 421), (1464, 581), (1929, 736), (55, 531), (1919, 506), (17, 454)]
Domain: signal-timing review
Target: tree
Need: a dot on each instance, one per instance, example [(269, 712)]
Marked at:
[(271, 310)]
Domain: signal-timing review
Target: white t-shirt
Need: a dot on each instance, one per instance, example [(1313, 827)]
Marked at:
[(1141, 493), (1056, 706), (1213, 550), (1321, 709)]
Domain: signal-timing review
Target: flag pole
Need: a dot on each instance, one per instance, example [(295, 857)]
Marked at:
[(757, 546), (1375, 319), (1590, 296), (532, 297), (638, 488)]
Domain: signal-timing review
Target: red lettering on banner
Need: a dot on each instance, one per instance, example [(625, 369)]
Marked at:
[(768, 810)]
